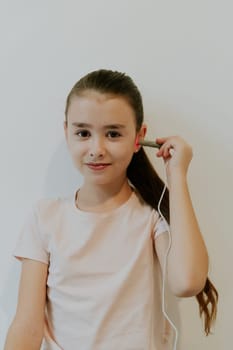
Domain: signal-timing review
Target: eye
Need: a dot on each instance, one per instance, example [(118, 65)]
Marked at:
[(113, 134), (83, 133)]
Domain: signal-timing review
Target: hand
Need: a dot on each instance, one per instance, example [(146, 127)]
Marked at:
[(177, 154)]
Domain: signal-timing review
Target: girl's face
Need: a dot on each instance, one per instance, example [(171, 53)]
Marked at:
[(101, 136)]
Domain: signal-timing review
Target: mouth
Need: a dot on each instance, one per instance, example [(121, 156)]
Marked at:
[(97, 166)]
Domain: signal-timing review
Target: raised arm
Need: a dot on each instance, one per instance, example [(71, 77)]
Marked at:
[(26, 329), (187, 264)]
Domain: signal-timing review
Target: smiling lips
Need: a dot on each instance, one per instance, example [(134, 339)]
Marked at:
[(97, 166)]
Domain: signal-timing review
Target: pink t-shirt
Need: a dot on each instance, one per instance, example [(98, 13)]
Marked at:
[(104, 281)]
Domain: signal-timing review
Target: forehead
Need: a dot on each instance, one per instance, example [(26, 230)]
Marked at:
[(95, 105)]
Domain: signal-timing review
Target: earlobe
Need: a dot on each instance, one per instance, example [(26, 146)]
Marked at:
[(141, 134), (137, 145), (137, 141)]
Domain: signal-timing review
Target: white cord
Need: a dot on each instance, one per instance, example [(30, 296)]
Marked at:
[(164, 273)]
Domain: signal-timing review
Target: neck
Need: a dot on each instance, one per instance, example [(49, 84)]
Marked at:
[(103, 198)]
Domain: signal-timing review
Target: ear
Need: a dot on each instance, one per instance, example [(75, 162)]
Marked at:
[(65, 130), (140, 136)]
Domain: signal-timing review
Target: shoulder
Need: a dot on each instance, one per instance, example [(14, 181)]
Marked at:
[(50, 205), (143, 209), (143, 206), (158, 222), (49, 210)]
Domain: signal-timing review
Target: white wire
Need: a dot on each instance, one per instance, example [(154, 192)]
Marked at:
[(164, 273)]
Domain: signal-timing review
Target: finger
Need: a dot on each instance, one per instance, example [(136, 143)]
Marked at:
[(167, 150), (172, 140), (166, 144), (161, 140), (164, 151)]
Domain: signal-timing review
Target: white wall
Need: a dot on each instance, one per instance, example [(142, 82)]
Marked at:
[(180, 54)]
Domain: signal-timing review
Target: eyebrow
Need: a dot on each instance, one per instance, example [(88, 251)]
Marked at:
[(110, 126)]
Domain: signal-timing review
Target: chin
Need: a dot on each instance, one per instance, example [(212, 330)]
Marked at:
[(97, 181)]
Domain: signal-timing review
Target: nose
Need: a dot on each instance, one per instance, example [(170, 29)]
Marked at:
[(97, 148)]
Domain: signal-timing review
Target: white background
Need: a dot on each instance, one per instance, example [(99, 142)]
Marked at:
[(180, 55)]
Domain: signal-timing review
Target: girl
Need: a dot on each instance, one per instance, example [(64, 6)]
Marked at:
[(92, 263)]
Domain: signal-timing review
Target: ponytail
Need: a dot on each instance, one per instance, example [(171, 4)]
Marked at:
[(207, 300), (143, 176)]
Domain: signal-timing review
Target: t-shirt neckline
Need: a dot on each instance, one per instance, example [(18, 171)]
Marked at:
[(114, 211)]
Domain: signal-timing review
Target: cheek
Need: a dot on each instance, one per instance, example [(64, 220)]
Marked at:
[(123, 152), (77, 150)]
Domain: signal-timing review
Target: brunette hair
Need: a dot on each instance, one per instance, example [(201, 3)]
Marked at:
[(140, 167)]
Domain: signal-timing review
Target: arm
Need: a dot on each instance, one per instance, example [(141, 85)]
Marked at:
[(26, 330), (187, 264)]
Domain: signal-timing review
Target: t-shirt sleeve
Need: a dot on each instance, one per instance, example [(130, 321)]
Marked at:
[(161, 226), (30, 243)]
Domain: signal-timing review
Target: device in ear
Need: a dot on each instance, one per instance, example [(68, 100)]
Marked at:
[(148, 143)]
